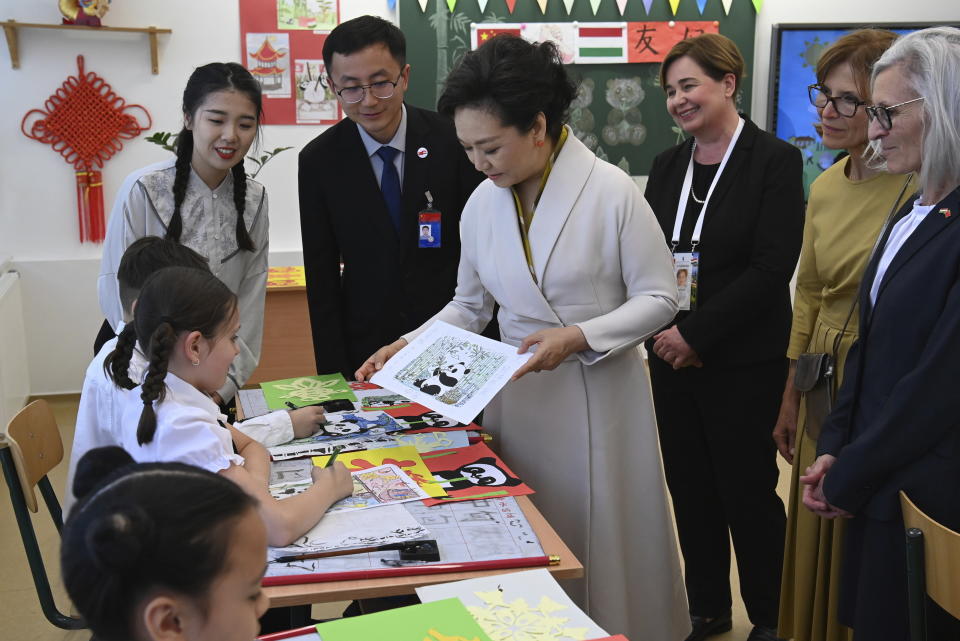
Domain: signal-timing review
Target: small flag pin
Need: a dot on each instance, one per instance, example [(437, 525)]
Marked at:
[(946, 212), (422, 152)]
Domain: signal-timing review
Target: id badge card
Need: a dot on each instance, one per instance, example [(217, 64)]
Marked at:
[(428, 228), (685, 269)]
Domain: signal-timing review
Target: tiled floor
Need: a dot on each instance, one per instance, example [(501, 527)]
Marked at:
[(20, 615)]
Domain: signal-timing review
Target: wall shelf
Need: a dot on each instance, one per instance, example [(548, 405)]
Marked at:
[(10, 28)]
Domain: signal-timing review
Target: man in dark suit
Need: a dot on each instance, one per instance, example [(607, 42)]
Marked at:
[(365, 184)]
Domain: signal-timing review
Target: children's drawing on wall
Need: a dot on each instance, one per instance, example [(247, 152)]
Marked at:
[(581, 120), (268, 59), (562, 34), (311, 15), (316, 101)]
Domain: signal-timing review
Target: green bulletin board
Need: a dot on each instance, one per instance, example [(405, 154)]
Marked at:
[(620, 112)]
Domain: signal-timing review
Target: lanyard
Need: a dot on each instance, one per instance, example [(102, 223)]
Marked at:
[(685, 193)]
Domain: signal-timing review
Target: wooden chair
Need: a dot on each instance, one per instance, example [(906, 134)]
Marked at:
[(933, 566), (31, 448)]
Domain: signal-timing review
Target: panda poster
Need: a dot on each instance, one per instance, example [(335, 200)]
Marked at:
[(473, 472), (450, 370)]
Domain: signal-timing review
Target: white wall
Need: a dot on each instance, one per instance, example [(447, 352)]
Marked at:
[(38, 220), (37, 199)]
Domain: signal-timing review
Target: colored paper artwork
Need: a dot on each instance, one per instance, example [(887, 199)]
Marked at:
[(309, 15), (316, 102), (281, 44), (376, 486), (471, 473), (519, 606), (421, 418), (406, 458), (358, 386), (306, 390), (602, 42), (384, 402), (446, 620), (450, 370), (268, 59), (312, 446), (286, 277), (432, 441)]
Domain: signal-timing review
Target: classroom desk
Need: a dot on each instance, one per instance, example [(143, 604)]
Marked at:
[(287, 348), (302, 594), (306, 593)]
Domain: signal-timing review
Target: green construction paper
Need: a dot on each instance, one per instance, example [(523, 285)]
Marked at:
[(446, 620), (306, 390)]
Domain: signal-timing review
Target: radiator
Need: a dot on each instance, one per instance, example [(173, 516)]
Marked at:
[(14, 374)]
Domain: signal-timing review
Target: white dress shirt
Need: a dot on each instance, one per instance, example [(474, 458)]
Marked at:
[(898, 236), (398, 142)]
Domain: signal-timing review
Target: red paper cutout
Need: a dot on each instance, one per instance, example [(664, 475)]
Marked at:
[(85, 121), (468, 473)]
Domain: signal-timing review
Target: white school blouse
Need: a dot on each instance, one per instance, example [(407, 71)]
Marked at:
[(144, 206), (188, 429)]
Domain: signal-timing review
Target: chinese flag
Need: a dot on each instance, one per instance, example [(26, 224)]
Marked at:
[(485, 34)]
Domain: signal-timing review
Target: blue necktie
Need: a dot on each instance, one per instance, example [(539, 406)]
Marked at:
[(390, 184)]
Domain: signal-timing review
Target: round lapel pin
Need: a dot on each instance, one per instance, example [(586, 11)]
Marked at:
[(422, 152)]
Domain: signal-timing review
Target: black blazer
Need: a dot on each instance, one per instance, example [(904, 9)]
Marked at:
[(389, 286), (749, 246), (896, 424)]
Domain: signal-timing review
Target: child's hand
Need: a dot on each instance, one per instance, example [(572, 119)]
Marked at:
[(306, 421), (336, 478)]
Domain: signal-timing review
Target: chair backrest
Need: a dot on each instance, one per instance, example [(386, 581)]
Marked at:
[(941, 556), (29, 449), (34, 440)]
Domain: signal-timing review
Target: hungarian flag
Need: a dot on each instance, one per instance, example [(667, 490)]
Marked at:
[(601, 43), (484, 32)]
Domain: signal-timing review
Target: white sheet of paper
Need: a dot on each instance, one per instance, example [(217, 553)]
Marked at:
[(479, 530), (357, 529), (301, 449), (535, 594), (253, 402), (450, 370)]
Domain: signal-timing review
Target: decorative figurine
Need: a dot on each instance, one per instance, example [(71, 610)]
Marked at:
[(84, 12)]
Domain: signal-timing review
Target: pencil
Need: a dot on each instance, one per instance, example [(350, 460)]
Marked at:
[(333, 457)]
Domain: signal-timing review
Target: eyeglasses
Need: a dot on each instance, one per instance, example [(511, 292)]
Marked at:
[(884, 115), (381, 90), (846, 106)]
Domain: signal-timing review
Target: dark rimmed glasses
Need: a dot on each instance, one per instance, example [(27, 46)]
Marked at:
[(380, 90), (884, 115), (846, 106)]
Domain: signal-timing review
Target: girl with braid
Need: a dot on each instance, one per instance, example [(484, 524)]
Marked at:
[(98, 420), (204, 200), (187, 324), (162, 551)]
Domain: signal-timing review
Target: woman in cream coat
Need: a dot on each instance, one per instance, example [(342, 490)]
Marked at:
[(585, 279)]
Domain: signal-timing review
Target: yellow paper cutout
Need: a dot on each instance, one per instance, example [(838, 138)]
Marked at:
[(673, 6)]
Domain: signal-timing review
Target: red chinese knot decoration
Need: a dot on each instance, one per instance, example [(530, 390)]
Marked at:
[(85, 122)]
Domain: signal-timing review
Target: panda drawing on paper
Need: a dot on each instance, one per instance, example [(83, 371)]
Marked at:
[(483, 472)]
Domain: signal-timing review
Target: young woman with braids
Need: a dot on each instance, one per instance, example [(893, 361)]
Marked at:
[(98, 420), (163, 551), (204, 200), (187, 325)]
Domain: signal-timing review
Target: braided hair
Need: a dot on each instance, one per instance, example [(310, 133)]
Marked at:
[(142, 258), (210, 78), (174, 300), (138, 528)]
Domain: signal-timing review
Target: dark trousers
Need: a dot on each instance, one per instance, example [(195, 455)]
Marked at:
[(873, 593), (715, 429)]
